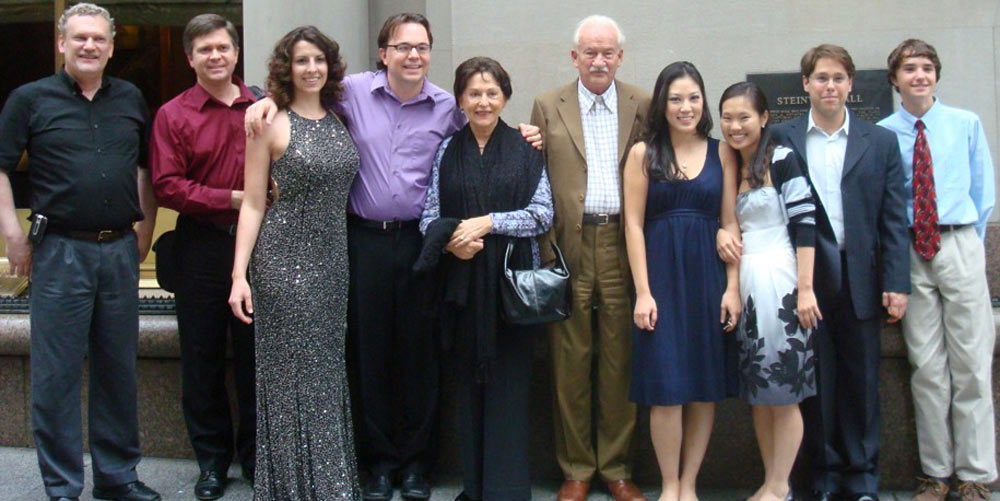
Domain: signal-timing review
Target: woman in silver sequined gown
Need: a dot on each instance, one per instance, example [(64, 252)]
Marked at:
[(298, 272)]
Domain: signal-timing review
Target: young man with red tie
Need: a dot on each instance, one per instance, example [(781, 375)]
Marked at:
[(948, 327)]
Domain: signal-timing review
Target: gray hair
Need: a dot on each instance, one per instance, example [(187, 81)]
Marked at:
[(600, 20), (86, 9)]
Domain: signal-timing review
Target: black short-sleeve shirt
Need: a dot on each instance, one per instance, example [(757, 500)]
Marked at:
[(83, 154)]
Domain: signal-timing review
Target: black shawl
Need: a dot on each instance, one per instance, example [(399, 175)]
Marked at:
[(502, 179)]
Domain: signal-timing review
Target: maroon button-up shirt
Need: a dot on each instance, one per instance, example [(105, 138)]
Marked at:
[(196, 153)]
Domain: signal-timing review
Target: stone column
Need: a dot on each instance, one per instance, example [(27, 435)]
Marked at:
[(265, 21)]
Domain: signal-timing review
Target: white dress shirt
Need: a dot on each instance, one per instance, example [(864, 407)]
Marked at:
[(825, 154), (599, 114)]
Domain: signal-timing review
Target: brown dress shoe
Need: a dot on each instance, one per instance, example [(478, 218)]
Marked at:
[(573, 490), (930, 489), (625, 490), (973, 491)]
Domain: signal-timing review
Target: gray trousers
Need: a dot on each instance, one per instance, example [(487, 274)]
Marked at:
[(84, 302)]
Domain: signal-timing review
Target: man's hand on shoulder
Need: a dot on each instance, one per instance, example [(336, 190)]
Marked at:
[(259, 115), (531, 134)]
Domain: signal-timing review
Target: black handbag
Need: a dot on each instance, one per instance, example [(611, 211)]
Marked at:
[(535, 296), (167, 261)]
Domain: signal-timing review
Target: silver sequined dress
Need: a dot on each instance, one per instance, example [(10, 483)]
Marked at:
[(305, 444)]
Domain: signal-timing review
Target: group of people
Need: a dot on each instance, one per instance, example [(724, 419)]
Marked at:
[(758, 266)]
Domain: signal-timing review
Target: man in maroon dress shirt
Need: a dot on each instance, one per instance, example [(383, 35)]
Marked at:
[(196, 156)]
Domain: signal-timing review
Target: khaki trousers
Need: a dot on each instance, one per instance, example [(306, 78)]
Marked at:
[(598, 280), (950, 335)]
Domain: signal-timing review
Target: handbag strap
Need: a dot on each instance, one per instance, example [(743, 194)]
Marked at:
[(561, 263), (560, 260), (506, 257)]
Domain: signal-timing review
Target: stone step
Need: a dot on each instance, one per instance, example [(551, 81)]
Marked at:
[(732, 460), (174, 480)]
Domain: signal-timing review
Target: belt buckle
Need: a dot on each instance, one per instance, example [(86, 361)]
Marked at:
[(602, 219), (386, 225), (104, 235)]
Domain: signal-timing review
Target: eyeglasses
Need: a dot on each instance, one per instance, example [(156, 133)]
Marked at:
[(405, 48)]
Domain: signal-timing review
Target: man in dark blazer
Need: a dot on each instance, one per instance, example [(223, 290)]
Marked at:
[(862, 265)]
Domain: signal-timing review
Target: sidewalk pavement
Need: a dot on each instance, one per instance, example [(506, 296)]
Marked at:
[(174, 480)]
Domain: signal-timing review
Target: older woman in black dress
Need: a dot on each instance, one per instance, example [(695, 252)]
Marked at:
[(492, 184)]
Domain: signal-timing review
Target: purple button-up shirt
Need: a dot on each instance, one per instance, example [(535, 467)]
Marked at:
[(397, 142)]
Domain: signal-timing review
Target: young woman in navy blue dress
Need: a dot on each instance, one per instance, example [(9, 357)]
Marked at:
[(686, 298)]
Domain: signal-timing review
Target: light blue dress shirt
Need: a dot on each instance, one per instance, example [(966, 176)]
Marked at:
[(960, 155)]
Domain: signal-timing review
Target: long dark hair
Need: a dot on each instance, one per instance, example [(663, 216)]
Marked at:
[(660, 159), (279, 66), (760, 162)]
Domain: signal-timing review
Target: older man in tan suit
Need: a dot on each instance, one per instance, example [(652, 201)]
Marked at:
[(588, 127)]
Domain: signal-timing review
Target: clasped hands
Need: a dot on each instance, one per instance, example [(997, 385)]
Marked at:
[(467, 239), (730, 248)]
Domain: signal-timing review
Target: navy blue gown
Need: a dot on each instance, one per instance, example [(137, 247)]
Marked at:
[(684, 359)]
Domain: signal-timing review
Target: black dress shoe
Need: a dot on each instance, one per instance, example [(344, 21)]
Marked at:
[(210, 485), (415, 487), (249, 472), (378, 488), (132, 491), (825, 496)]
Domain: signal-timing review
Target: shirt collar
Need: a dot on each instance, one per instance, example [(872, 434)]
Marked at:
[(911, 121), (199, 97), (75, 87), (845, 128), (587, 98), (381, 81)]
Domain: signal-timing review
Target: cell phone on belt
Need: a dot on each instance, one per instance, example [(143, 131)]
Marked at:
[(37, 231)]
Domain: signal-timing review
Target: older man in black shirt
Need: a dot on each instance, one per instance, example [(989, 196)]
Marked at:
[(84, 134)]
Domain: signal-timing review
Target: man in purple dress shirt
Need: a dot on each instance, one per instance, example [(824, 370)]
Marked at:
[(397, 118)]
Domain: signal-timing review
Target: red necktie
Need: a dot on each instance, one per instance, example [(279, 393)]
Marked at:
[(926, 235)]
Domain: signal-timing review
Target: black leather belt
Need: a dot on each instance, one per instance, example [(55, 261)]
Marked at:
[(228, 229), (91, 236), (382, 225), (601, 219)]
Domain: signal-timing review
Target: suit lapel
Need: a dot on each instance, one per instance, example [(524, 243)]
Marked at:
[(569, 112), (857, 143), (797, 135), (627, 106)]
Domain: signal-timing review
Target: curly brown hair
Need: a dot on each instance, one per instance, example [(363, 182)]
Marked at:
[(279, 67)]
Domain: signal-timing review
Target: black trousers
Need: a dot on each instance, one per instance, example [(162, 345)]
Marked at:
[(842, 420), (494, 418), (84, 302), (392, 350), (205, 322)]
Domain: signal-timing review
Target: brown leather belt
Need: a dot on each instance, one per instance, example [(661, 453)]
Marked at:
[(91, 236), (601, 219)]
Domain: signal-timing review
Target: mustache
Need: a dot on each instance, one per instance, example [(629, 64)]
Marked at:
[(598, 69)]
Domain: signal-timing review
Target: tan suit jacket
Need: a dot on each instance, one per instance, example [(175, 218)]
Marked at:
[(557, 113)]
